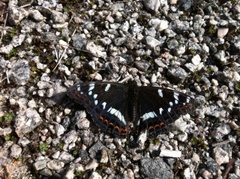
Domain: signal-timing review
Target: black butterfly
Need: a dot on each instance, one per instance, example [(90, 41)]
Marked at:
[(113, 105)]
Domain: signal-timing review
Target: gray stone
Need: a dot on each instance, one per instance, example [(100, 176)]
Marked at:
[(36, 15), (152, 5), (93, 164), (95, 149), (40, 164), (23, 141), (58, 17), (104, 156), (65, 156), (18, 40), (96, 50), (79, 41), (156, 168), (16, 14), (142, 65), (81, 121), (222, 32), (152, 42), (95, 175), (59, 129), (26, 121), (16, 151), (20, 72), (221, 131), (178, 73), (221, 156), (55, 165), (70, 137)]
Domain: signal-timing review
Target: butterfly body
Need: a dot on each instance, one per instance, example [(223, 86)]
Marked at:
[(113, 106)]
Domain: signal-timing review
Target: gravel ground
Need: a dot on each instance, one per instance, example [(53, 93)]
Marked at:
[(187, 45)]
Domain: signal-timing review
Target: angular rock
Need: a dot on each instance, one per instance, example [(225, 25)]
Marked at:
[(26, 121)]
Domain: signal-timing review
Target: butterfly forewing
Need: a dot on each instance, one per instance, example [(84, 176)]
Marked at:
[(160, 106), (105, 102)]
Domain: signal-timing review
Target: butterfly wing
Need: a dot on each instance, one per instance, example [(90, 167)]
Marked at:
[(160, 107), (105, 102)]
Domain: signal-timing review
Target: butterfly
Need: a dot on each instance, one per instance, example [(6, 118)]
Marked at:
[(113, 106)]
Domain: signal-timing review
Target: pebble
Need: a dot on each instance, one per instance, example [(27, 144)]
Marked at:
[(222, 32), (156, 168), (95, 175), (96, 50), (20, 72), (221, 56), (40, 164), (158, 24), (70, 137), (93, 164), (5, 131), (170, 153), (16, 14), (196, 60), (189, 173), (18, 40), (36, 15), (66, 157), (142, 65), (221, 156), (70, 173), (26, 121), (221, 131), (81, 121), (154, 78), (23, 141), (58, 17), (178, 73), (59, 129), (152, 5), (152, 42), (6, 49), (16, 151), (55, 165), (104, 156)]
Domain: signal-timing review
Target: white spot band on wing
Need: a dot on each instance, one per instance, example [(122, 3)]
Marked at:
[(118, 114), (91, 86), (160, 93), (104, 105), (107, 87), (148, 115)]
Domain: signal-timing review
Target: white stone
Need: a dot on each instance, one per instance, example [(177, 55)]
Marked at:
[(222, 32), (170, 153), (55, 165), (152, 42), (221, 156), (196, 60), (26, 121), (91, 165), (95, 175), (16, 151), (152, 5)]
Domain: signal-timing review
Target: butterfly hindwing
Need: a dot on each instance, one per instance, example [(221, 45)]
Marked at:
[(105, 102), (160, 106)]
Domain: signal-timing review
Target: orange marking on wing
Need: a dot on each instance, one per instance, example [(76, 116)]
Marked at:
[(161, 124)]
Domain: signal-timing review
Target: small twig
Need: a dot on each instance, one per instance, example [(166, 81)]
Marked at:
[(64, 52), (29, 4), (221, 143), (4, 25), (228, 168)]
